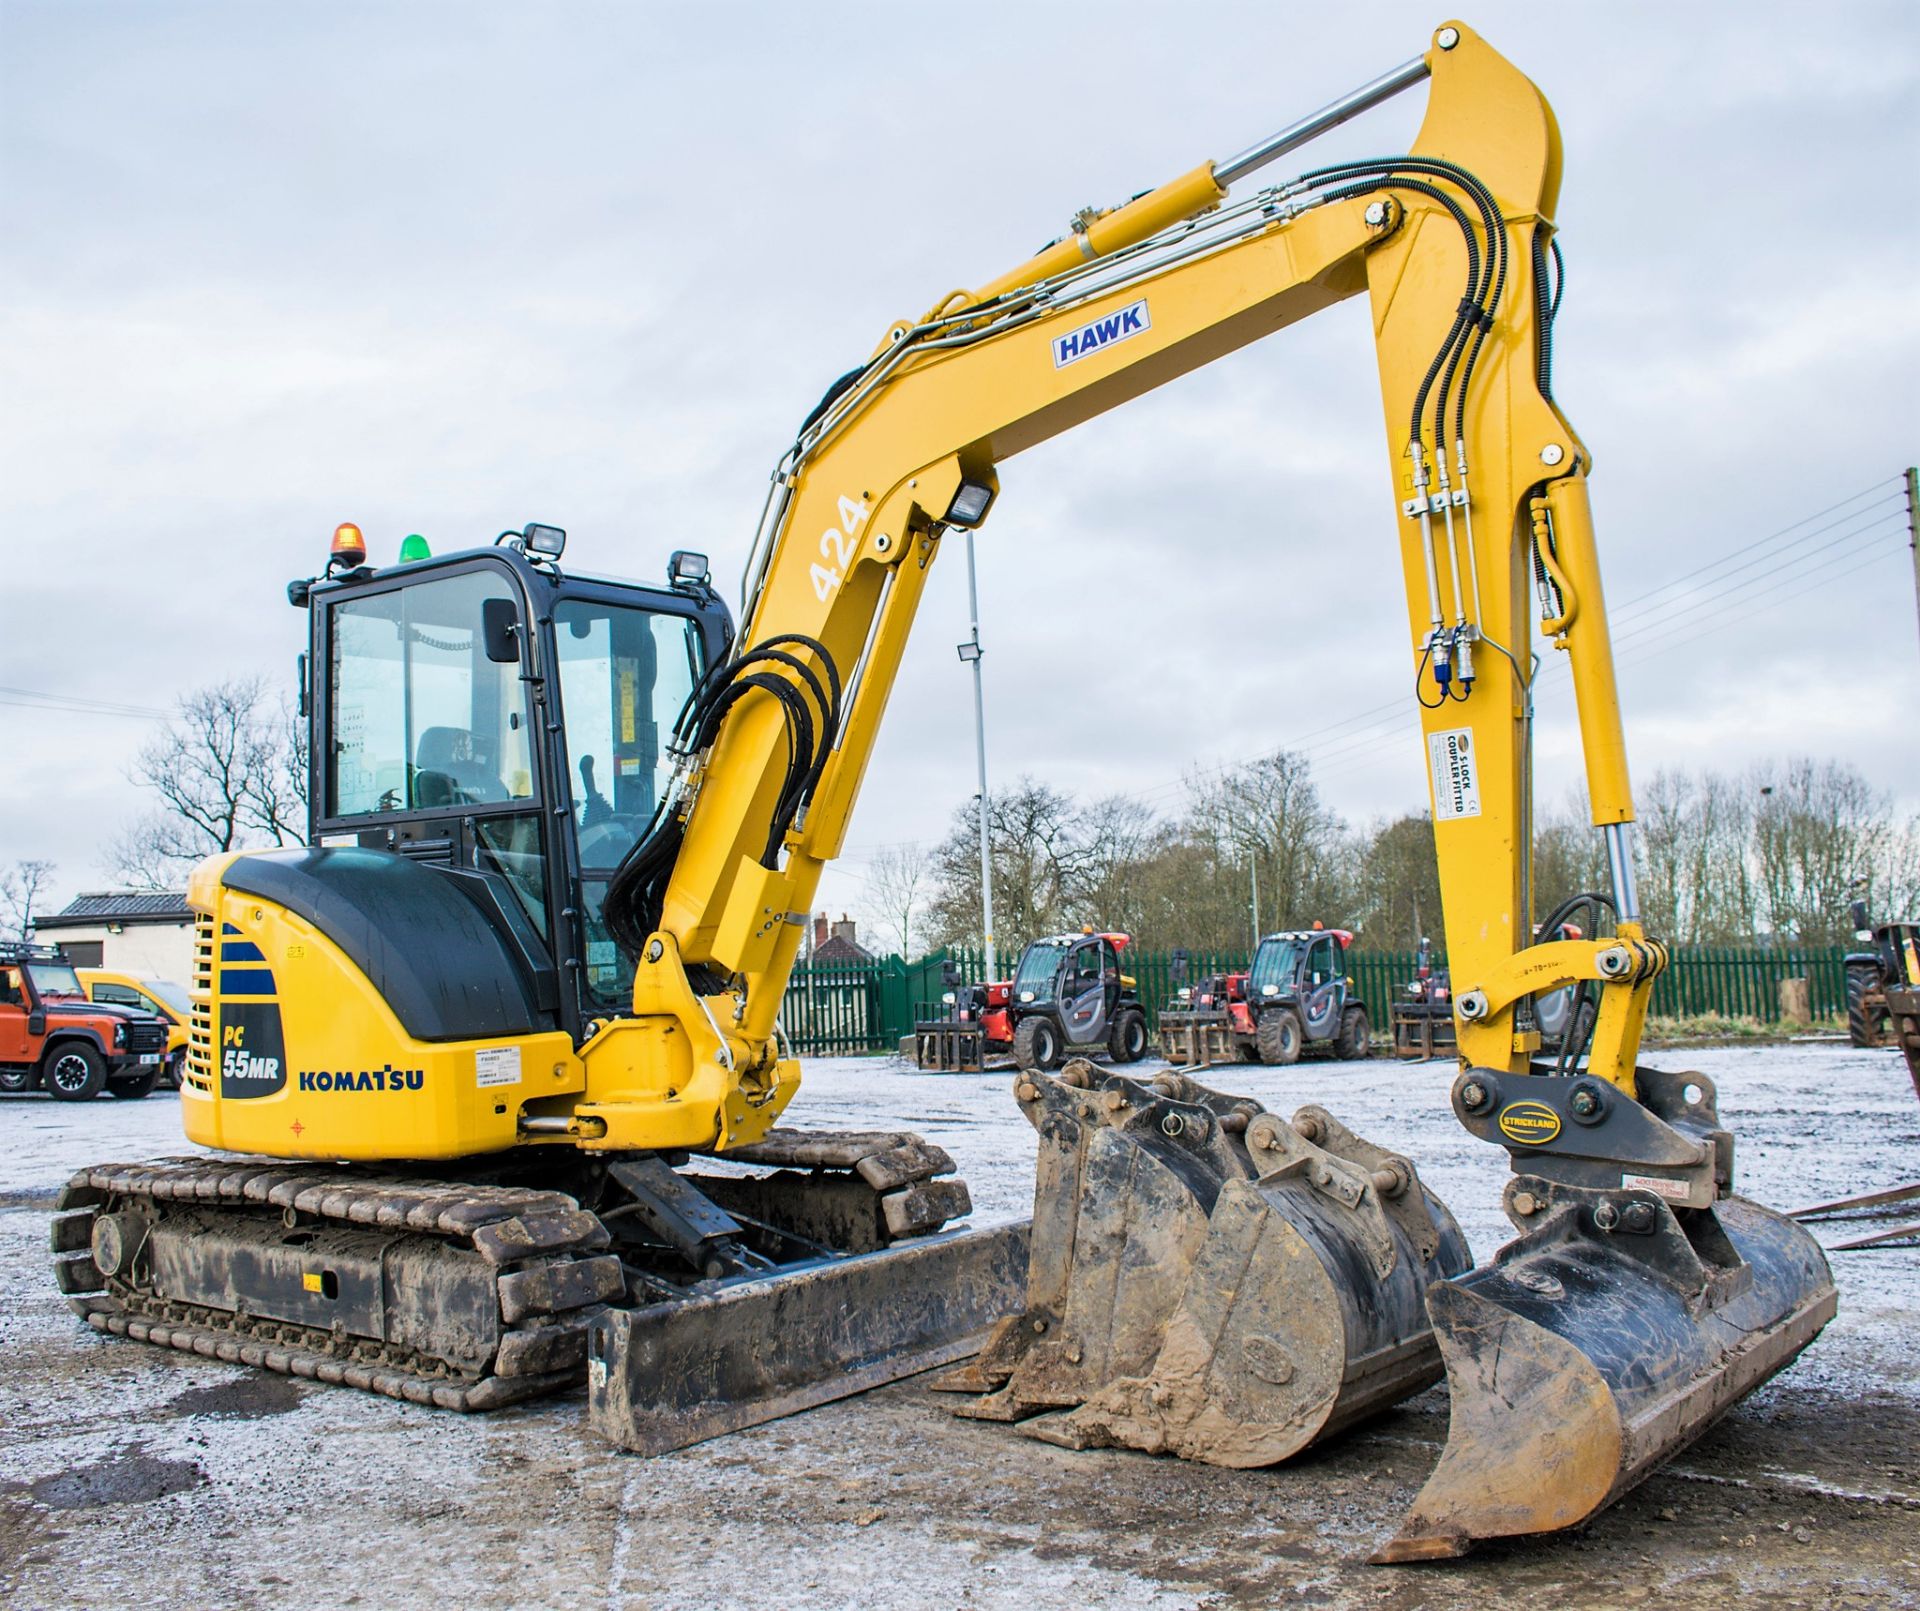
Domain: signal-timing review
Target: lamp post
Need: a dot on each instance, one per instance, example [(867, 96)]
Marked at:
[(1253, 906), (970, 653)]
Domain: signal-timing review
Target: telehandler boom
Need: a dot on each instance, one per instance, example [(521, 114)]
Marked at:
[(444, 977)]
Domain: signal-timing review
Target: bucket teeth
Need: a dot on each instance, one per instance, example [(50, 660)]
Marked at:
[(1209, 1280), (1582, 1357)]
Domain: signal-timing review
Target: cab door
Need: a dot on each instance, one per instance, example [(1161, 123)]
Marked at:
[(1084, 989), (1323, 990), (14, 1040)]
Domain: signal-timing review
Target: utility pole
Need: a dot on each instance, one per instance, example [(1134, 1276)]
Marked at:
[(970, 653), (1913, 526), (1253, 907)]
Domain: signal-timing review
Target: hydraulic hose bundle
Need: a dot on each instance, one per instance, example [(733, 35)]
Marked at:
[(810, 704)]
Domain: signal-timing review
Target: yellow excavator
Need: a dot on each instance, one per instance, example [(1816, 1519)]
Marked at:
[(493, 1066)]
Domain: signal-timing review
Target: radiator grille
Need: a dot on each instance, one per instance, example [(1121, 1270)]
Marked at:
[(200, 1026)]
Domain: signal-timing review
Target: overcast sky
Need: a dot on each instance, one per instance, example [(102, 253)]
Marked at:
[(450, 268)]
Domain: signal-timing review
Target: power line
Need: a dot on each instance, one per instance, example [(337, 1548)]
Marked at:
[(1391, 715), (1796, 558), (1728, 612), (1762, 542), (1668, 626), (35, 699), (1640, 621)]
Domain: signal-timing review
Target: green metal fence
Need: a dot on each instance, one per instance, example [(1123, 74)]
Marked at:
[(870, 1005)]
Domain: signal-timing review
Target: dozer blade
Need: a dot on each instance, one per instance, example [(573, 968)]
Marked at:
[(1584, 1356), (1209, 1280), (680, 1372)]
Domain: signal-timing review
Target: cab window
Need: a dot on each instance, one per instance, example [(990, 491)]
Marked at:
[(1038, 969), (421, 718), (55, 979), (625, 675), (1089, 961), (1320, 961), (117, 995)]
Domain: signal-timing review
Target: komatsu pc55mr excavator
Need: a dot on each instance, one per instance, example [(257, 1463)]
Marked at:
[(493, 1067)]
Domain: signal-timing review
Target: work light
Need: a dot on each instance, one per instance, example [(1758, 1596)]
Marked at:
[(969, 506), (546, 541)]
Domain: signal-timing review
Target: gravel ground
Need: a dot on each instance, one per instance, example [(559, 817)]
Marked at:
[(129, 1476)]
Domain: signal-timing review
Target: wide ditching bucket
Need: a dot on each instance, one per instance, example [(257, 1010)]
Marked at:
[(1207, 1279), (1615, 1330)]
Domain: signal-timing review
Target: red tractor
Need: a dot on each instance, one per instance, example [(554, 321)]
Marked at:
[(1067, 997), (1296, 997), (53, 1039)]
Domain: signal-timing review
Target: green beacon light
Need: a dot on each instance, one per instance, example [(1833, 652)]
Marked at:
[(414, 547)]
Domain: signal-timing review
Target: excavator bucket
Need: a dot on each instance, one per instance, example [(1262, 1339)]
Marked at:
[(1613, 1332), (1207, 1279)]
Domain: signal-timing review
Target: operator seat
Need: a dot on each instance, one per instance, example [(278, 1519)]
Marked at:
[(446, 772)]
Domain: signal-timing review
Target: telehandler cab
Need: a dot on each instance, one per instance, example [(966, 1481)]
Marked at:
[(478, 1044), (1067, 996), (1295, 997)]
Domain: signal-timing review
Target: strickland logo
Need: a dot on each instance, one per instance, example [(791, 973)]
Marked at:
[(1100, 333)]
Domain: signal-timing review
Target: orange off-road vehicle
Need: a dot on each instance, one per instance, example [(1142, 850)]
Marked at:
[(55, 1040)]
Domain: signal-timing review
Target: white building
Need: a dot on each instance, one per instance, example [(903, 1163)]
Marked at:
[(147, 935)]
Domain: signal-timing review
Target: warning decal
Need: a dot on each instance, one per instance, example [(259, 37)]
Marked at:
[(1456, 783), (1673, 1190), (496, 1065)]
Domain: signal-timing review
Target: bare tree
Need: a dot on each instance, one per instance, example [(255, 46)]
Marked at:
[(898, 883), (21, 886), (1034, 836), (1399, 885), (1816, 827), (1696, 878), (1120, 838), (230, 773), (1268, 817), (1893, 882)]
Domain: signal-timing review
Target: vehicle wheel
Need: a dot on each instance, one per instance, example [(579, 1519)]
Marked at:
[(1279, 1037), (1128, 1042), (1036, 1043), (16, 1079), (177, 1069), (1865, 1024), (1356, 1034), (73, 1072), (132, 1087)]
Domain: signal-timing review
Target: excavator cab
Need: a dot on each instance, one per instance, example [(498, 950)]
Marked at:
[(488, 714)]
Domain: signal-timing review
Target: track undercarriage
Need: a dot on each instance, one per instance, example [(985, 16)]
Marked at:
[(476, 1291)]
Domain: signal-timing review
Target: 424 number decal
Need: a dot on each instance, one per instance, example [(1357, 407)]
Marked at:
[(837, 544)]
